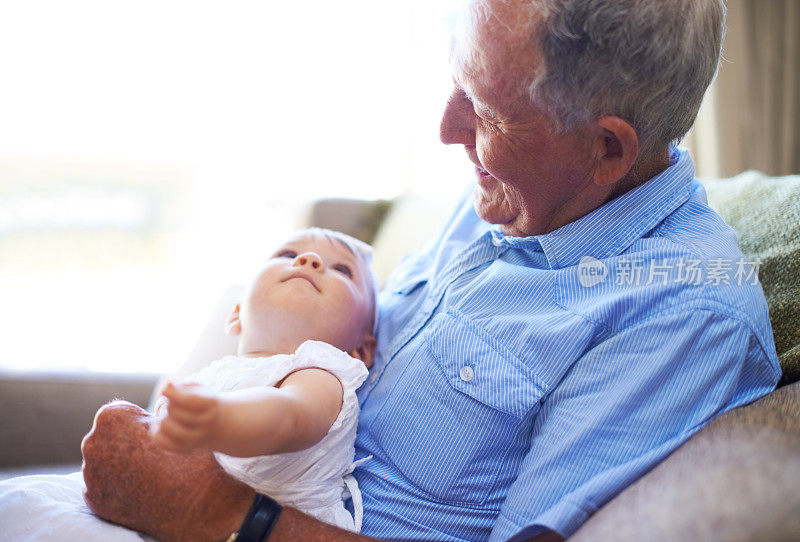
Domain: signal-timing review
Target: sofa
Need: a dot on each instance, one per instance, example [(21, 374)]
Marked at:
[(738, 479)]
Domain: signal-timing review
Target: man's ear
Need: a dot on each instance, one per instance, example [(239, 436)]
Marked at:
[(617, 149), (366, 352), (234, 326)]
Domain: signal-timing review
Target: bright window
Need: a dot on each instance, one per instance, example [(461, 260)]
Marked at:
[(152, 152)]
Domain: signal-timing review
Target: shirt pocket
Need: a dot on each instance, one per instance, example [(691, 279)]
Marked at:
[(453, 423)]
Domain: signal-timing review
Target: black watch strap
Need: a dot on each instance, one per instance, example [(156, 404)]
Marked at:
[(260, 520)]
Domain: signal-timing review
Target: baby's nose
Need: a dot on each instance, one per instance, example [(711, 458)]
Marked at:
[(309, 259)]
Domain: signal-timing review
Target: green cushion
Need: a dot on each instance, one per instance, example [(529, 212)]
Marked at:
[(765, 212)]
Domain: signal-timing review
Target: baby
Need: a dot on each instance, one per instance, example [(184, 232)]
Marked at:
[(280, 416)]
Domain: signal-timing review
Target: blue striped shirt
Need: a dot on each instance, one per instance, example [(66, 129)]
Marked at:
[(521, 383)]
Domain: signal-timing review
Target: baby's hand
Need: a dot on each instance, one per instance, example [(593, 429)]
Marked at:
[(191, 418)]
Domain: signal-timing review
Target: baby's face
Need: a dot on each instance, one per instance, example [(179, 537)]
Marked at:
[(312, 287)]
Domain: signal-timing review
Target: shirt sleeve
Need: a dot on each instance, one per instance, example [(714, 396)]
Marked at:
[(622, 408)]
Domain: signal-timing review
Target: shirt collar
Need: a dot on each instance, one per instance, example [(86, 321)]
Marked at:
[(613, 227)]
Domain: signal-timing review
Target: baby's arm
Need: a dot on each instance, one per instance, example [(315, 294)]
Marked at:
[(253, 421)]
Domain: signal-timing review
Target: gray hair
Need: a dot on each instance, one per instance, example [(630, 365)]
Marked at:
[(648, 62)]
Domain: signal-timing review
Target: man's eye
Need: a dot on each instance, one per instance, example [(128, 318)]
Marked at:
[(286, 254), (460, 95), (344, 270), (485, 114)]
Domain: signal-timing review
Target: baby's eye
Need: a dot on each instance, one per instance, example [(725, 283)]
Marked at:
[(344, 270), (286, 254)]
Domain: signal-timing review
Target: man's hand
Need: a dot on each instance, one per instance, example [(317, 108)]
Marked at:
[(132, 481), (191, 421)]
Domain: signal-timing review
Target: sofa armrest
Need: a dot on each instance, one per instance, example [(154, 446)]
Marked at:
[(45, 415), (735, 480)]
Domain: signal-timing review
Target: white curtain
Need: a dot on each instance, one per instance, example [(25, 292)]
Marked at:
[(751, 116)]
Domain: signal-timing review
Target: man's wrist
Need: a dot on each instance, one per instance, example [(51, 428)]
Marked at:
[(260, 520), (232, 509)]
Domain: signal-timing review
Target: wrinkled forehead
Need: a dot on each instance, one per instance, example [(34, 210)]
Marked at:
[(494, 47)]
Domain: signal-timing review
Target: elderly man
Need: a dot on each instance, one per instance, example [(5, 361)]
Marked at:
[(569, 329)]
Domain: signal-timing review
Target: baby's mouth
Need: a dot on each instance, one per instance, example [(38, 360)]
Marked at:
[(299, 275)]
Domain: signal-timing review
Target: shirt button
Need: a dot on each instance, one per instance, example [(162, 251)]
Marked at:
[(466, 373), (373, 377), (497, 242)]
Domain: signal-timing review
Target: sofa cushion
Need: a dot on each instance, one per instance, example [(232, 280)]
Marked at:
[(765, 212), (410, 223), (359, 218), (734, 481)]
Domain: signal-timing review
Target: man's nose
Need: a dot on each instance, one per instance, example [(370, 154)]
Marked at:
[(458, 120), (309, 259)]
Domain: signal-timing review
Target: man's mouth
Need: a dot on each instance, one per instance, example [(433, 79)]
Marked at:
[(303, 276), (473, 157), (481, 172)]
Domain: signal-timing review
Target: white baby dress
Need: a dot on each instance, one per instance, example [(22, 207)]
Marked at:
[(50, 507), (312, 480)]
